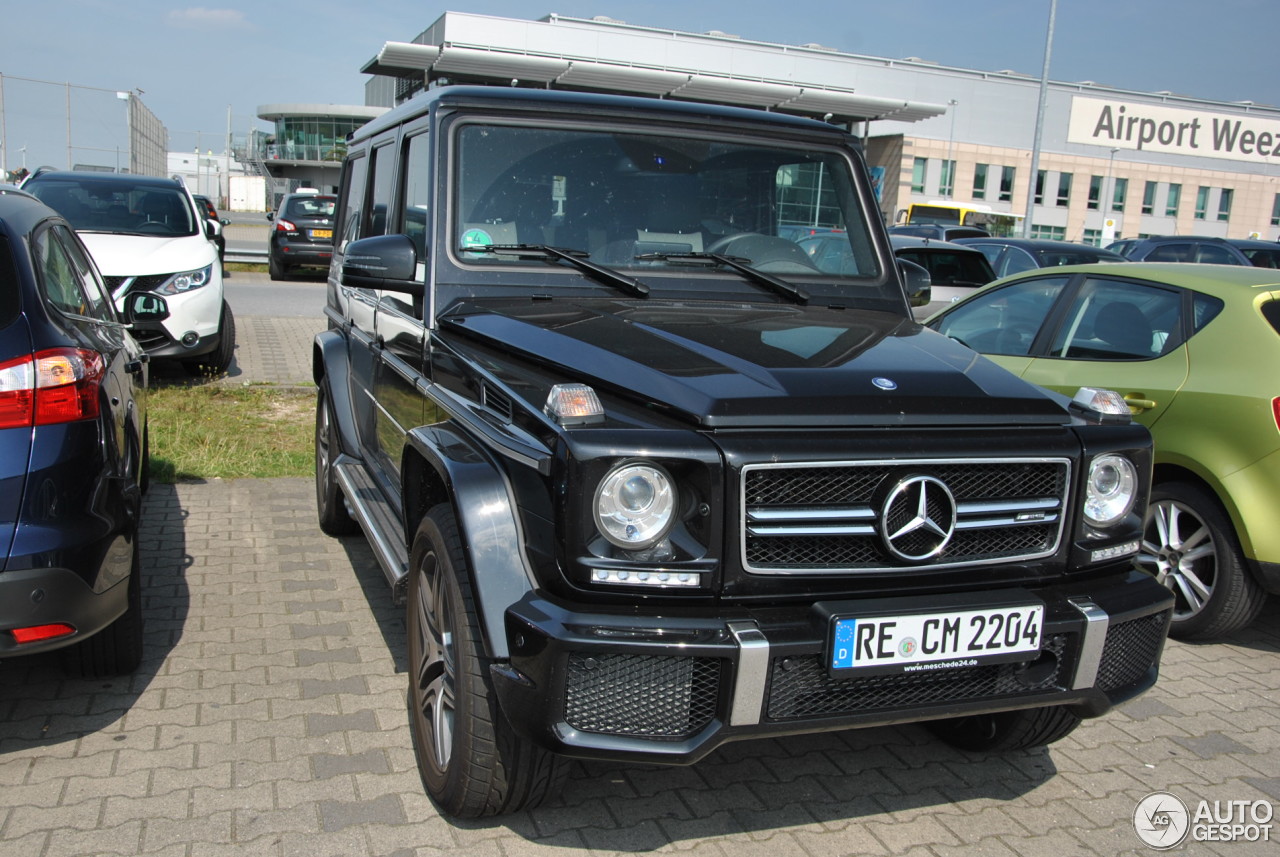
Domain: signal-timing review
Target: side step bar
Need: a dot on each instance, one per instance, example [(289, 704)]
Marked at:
[(379, 523)]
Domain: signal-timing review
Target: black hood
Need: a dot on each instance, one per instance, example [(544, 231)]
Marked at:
[(752, 365)]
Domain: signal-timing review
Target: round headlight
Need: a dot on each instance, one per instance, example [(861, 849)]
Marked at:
[(1112, 488), (635, 505)]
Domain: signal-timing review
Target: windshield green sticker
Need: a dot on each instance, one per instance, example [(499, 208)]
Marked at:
[(476, 238)]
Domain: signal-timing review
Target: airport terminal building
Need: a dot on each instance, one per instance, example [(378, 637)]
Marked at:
[(1113, 162)]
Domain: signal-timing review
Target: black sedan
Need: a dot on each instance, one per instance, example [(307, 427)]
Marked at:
[(73, 448), (1015, 255)]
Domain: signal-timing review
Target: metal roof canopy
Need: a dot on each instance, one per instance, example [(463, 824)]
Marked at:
[(610, 56)]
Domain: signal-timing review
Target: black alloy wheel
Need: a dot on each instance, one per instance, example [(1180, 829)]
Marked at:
[(331, 505), (471, 762)]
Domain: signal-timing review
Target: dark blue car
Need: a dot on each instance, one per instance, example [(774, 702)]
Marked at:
[(73, 448)]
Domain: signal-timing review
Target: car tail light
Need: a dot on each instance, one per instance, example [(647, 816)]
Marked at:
[(285, 226), (57, 385), (36, 633), (1275, 411)]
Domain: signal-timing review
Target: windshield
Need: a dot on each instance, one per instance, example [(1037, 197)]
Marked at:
[(651, 203), (118, 207)]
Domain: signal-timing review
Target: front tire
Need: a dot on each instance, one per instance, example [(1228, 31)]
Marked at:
[(331, 507), (1006, 731), (217, 362), (471, 762), (1191, 547)]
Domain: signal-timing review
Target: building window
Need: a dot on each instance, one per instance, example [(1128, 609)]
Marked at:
[(1053, 233), (947, 188), (1093, 236), (1224, 204), (1149, 198), (1040, 177), (1095, 192), (1275, 211), (1006, 184), (917, 174), (980, 181), (1117, 198), (1064, 189), (1202, 202), (1172, 201)]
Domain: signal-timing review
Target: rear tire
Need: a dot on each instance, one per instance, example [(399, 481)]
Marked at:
[(471, 761), (275, 269), (1006, 731), (1190, 546), (117, 648)]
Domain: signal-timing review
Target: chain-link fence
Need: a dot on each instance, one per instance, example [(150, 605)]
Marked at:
[(69, 126)]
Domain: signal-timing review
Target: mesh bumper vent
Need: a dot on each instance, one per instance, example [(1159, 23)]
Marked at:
[(643, 695), (1130, 650), (801, 687)]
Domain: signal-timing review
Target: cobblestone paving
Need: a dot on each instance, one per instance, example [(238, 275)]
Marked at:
[(269, 719)]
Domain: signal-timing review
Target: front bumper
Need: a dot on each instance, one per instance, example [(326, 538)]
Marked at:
[(670, 690)]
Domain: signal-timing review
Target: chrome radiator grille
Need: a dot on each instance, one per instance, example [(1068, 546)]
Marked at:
[(867, 516)]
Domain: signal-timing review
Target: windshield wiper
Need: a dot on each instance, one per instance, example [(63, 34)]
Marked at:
[(576, 258), (739, 264)]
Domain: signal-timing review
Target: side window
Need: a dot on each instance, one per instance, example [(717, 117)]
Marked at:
[(353, 195), (58, 278), (1118, 320), (1018, 260), (1004, 321), (1171, 253), (384, 159), (1215, 255), (98, 305), (417, 191)]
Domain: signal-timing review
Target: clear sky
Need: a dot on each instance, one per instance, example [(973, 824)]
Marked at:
[(197, 64)]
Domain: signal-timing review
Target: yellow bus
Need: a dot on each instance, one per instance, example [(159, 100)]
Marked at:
[(945, 212)]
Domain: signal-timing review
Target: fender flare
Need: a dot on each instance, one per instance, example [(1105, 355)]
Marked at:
[(329, 360), (485, 508)]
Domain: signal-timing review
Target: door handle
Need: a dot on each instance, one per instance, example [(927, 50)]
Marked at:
[(1134, 400)]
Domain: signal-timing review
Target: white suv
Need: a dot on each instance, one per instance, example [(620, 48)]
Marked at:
[(147, 235)]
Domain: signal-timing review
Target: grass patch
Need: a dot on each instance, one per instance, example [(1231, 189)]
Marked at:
[(210, 431), (245, 267)]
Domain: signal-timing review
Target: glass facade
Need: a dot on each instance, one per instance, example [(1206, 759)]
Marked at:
[(311, 138)]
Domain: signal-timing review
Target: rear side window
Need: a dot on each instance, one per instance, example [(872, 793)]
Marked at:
[(1119, 320)]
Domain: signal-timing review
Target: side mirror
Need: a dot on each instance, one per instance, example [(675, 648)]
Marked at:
[(226, 221), (271, 215), (210, 230), (919, 283), (145, 306), (386, 262)]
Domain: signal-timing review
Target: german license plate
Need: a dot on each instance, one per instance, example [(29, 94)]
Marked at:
[(322, 233), (928, 642)]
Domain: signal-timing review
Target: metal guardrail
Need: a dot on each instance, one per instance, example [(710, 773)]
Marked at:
[(246, 256)]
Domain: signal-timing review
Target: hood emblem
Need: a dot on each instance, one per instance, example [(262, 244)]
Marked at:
[(918, 518), (884, 383)]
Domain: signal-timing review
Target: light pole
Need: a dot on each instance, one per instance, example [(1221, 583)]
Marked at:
[(1035, 145), (951, 139), (1108, 225)]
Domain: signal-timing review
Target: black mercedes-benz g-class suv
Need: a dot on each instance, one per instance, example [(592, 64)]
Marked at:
[(648, 480)]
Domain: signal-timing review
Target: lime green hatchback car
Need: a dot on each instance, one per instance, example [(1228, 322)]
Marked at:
[(1195, 351)]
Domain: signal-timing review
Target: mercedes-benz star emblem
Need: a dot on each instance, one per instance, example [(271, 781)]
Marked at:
[(918, 518)]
